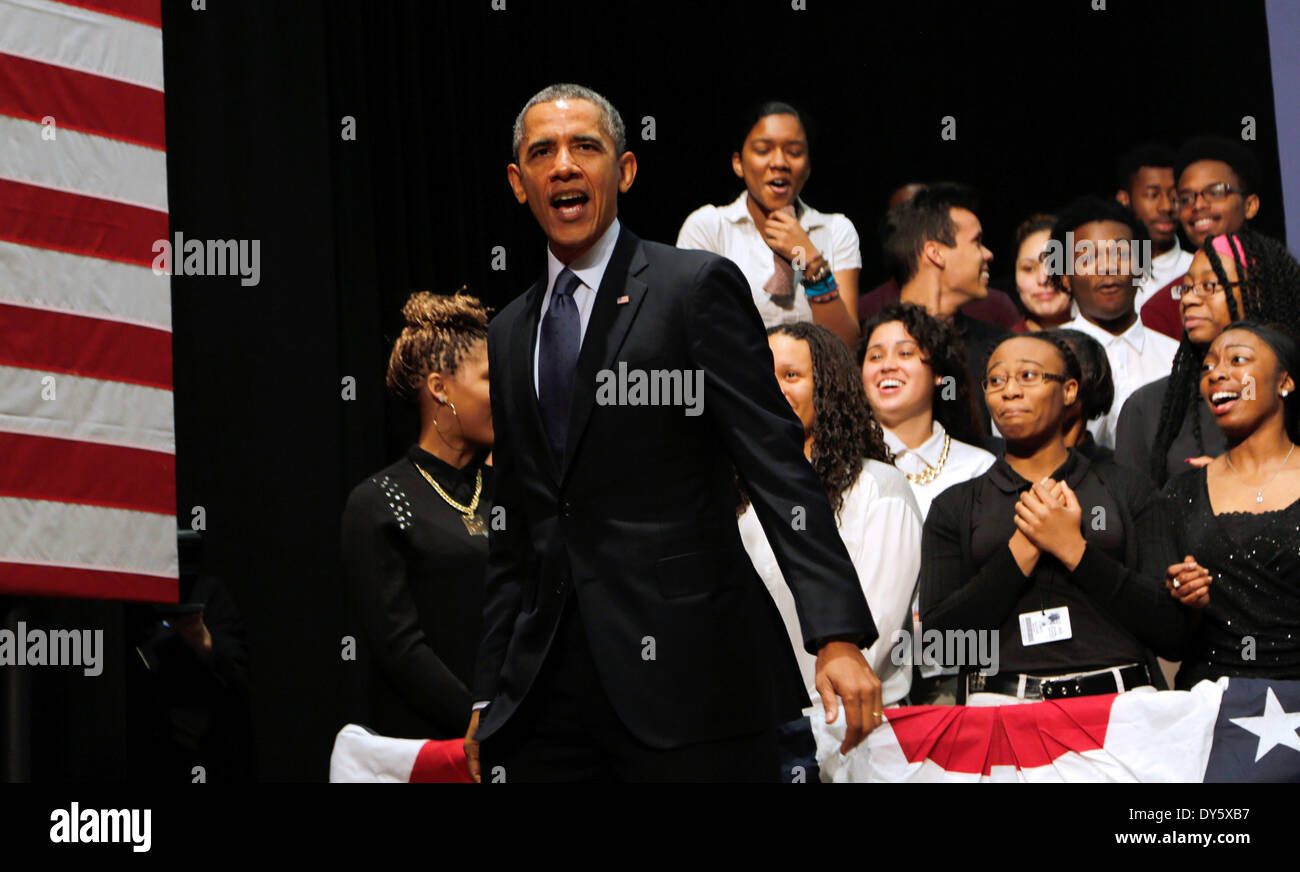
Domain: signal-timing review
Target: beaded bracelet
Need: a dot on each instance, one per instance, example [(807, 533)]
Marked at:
[(820, 289), (825, 298)]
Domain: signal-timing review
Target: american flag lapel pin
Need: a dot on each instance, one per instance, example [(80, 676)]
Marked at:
[(621, 300)]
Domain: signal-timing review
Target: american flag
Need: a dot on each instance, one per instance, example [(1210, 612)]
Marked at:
[(87, 442), (1231, 730)]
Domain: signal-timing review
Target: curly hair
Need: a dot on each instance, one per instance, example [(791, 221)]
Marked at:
[(1087, 210), (1269, 280), (844, 432), (947, 358), (440, 333)]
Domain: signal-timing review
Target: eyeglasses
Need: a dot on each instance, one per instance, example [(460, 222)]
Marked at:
[(1216, 193), (1026, 378), (1204, 290)]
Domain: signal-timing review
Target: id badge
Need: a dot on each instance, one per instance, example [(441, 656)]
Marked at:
[(1047, 625)]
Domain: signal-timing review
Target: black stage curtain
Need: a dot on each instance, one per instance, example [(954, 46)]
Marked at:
[(1044, 97)]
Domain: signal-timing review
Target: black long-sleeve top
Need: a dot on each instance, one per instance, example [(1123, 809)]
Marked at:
[(415, 576), (1135, 434), (1251, 627), (1118, 605)]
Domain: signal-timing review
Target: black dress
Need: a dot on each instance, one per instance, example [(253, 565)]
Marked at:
[(1255, 598), (415, 578)]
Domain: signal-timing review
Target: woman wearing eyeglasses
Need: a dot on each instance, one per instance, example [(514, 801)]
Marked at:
[(1236, 518), (1064, 558), (415, 534), (1164, 428)]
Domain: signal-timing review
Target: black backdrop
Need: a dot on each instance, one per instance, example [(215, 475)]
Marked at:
[(1044, 96)]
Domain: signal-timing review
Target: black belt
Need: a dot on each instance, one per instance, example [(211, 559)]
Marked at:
[(1049, 687)]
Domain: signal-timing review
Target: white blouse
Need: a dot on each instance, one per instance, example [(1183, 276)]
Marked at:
[(964, 462), (881, 529), (730, 231)]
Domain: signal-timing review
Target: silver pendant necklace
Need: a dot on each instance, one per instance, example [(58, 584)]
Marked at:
[(1259, 494)]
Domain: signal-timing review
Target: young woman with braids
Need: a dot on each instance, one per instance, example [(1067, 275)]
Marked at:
[(873, 506), (1235, 519), (415, 534), (1164, 428), (1062, 556)]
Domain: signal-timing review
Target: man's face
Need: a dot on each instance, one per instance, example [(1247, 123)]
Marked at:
[(569, 175), (1151, 194), (966, 265), (1102, 283), (1203, 218)]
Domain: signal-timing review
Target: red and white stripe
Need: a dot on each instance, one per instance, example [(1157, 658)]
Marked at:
[(87, 437)]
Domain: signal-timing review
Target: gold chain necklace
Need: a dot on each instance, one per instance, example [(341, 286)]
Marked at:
[(469, 514), (931, 472)]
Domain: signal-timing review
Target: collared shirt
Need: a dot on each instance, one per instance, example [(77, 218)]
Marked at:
[(730, 231), (590, 269), (964, 463), (879, 516), (1164, 268), (1137, 356)]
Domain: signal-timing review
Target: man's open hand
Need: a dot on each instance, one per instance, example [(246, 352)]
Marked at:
[(843, 673)]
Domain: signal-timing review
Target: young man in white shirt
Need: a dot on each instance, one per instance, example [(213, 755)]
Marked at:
[(1146, 184), (1101, 266)]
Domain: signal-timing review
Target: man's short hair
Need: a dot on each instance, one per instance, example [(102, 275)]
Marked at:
[(610, 121), (1086, 210), (1148, 154), (1220, 148), (926, 217)]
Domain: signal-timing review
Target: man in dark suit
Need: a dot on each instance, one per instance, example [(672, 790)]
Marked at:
[(626, 635)]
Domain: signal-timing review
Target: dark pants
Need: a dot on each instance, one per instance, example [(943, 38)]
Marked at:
[(567, 730)]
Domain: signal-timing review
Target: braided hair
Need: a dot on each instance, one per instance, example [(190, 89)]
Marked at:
[(844, 431), (1269, 280), (1097, 385), (440, 332), (1073, 369)]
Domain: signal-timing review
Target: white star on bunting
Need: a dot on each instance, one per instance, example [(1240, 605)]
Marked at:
[(1275, 727)]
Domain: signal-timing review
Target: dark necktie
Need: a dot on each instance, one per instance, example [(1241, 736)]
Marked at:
[(557, 358)]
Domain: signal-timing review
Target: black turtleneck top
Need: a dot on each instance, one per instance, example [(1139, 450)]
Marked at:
[(415, 576)]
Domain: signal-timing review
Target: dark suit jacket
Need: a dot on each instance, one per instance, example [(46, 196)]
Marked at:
[(641, 520)]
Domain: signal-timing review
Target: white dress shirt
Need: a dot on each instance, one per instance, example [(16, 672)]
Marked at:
[(730, 231), (590, 269), (1137, 356), (1173, 264), (879, 517), (964, 463)]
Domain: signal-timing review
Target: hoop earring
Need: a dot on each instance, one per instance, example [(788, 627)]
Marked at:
[(453, 407)]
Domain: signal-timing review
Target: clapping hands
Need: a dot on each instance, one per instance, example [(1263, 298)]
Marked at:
[(1048, 515)]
